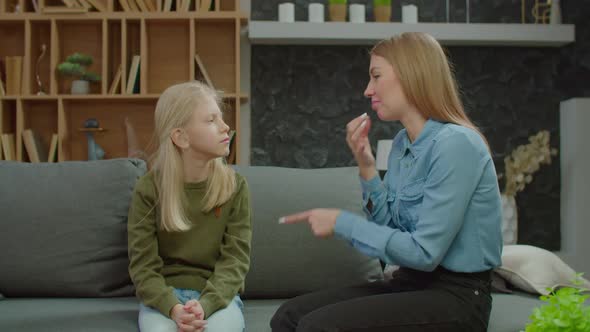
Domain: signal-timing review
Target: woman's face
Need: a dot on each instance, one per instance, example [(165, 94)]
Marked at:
[(385, 91)]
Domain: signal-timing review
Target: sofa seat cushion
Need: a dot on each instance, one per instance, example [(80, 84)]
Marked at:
[(69, 314), (509, 314)]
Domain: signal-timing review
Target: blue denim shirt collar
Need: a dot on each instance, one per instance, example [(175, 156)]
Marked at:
[(431, 127)]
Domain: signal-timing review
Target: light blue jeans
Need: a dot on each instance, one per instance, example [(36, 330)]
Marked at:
[(228, 319)]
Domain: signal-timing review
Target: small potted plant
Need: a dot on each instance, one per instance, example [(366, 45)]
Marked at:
[(337, 10), (564, 311), (76, 66), (382, 10)]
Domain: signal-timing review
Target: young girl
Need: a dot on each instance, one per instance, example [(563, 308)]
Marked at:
[(189, 221), (436, 214)]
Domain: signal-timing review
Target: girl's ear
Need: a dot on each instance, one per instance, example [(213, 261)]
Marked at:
[(179, 138)]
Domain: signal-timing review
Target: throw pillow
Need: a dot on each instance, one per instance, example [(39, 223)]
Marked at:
[(535, 270)]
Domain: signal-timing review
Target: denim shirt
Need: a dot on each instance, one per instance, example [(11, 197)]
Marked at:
[(438, 204)]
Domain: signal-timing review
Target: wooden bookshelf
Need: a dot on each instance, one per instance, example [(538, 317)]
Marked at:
[(166, 43)]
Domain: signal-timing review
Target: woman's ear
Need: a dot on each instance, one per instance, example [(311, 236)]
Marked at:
[(179, 138)]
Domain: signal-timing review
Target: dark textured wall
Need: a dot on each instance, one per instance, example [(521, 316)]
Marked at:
[(303, 96)]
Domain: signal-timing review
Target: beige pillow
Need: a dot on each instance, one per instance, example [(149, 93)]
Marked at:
[(533, 269)]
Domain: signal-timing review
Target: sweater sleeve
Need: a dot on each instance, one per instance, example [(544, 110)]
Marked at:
[(234, 260), (145, 263)]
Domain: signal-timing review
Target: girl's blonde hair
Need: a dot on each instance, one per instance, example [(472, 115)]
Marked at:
[(174, 110), (426, 76)]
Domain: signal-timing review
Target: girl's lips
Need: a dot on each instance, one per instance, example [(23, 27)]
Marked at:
[(225, 140)]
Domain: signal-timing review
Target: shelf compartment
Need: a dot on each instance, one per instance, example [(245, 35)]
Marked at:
[(12, 38), (114, 55), (83, 36), (39, 60), (216, 45), (167, 65), (226, 5), (8, 116), (111, 116), (131, 46), (41, 116)]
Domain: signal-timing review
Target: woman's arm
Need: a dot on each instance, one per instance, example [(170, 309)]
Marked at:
[(456, 169)]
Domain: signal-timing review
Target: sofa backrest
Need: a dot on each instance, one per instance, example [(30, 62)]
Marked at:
[(63, 227), (287, 260)]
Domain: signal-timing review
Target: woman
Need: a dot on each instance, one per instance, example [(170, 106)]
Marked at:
[(436, 213)]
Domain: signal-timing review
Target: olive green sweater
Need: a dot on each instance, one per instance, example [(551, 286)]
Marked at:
[(212, 257)]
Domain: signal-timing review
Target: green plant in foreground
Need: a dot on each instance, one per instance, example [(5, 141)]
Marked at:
[(564, 311)]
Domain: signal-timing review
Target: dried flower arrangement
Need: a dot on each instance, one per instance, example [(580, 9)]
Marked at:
[(525, 160)]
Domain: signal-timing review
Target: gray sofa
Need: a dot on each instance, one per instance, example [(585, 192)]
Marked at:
[(63, 255)]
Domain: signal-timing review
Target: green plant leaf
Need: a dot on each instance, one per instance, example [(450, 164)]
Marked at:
[(83, 59), (91, 77), (70, 69), (381, 3)]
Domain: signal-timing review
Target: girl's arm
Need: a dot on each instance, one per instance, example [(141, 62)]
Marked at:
[(234, 261), (145, 263)]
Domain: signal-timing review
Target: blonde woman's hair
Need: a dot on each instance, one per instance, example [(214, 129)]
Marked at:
[(426, 76), (174, 110)]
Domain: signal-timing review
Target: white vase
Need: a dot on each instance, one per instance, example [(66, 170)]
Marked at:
[(316, 12), (287, 12), (555, 15), (356, 13), (80, 87), (509, 220)]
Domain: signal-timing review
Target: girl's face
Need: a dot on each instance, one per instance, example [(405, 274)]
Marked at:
[(385, 90), (207, 133)]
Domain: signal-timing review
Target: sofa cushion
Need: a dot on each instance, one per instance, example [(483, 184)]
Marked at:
[(536, 270), (287, 260), (69, 314), (64, 228)]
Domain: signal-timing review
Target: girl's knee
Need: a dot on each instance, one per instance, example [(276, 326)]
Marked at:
[(229, 319)]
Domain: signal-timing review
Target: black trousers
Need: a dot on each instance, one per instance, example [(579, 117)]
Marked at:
[(412, 300)]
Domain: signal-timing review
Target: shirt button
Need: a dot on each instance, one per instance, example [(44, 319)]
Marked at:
[(476, 292)]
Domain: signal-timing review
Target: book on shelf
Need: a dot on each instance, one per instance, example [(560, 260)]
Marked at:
[(51, 157), (125, 5), (167, 7), (35, 148), (152, 5), (14, 69), (64, 10), (71, 3), (202, 71), (116, 81), (98, 4), (8, 145), (133, 78), (2, 91), (142, 5), (133, 5)]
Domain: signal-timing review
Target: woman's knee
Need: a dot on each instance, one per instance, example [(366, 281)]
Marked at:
[(286, 316)]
